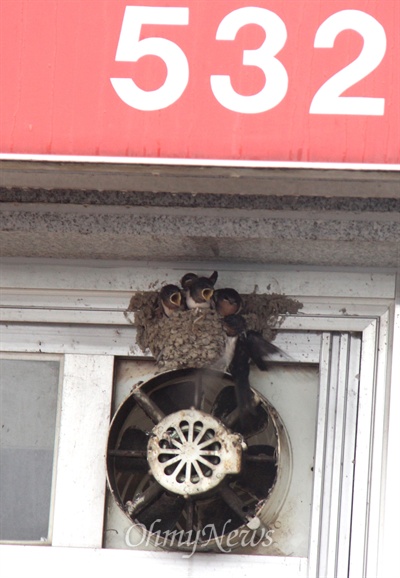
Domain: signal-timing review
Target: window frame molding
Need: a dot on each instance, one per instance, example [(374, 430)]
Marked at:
[(328, 311)]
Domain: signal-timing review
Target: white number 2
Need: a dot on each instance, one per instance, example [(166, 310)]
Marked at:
[(328, 99), (276, 78), (131, 49)]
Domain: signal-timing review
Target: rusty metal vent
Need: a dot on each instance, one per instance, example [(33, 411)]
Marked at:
[(178, 454), (190, 452)]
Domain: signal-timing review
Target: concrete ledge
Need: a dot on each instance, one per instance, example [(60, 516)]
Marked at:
[(155, 213), (193, 180), (179, 233)]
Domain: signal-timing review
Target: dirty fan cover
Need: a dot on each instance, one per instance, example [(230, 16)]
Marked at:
[(179, 453)]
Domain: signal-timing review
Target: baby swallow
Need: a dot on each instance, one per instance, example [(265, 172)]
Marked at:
[(188, 279), (198, 290), (227, 301), (171, 299)]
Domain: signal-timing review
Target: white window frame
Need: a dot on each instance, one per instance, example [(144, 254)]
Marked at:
[(80, 318)]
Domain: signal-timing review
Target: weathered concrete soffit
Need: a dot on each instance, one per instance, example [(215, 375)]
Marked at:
[(287, 216)]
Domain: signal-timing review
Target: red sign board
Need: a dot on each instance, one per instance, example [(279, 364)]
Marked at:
[(265, 80)]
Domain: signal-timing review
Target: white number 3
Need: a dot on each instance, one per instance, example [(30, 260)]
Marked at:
[(276, 78)]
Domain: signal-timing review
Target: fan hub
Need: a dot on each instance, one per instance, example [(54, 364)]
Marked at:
[(191, 452)]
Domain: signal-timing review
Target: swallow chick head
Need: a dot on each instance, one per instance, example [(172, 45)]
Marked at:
[(171, 299), (227, 302), (198, 290), (199, 294), (188, 279), (213, 278)]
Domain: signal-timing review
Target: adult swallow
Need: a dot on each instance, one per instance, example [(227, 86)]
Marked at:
[(260, 349), (198, 290), (257, 347), (243, 346), (227, 301), (233, 326), (239, 364), (170, 299)]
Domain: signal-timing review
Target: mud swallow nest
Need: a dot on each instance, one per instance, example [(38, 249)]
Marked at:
[(195, 338)]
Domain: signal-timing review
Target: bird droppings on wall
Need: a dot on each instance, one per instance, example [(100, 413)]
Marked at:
[(195, 337)]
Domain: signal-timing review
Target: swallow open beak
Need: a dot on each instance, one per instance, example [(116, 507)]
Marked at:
[(207, 294), (176, 299)]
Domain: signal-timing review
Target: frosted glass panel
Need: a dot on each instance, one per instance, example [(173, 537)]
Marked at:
[(28, 411)]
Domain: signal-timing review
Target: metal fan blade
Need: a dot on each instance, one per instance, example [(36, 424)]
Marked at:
[(225, 408), (150, 408), (176, 396), (232, 499), (143, 500), (259, 471), (198, 391), (254, 424), (165, 510), (131, 455), (260, 453), (189, 515), (224, 519), (225, 403)]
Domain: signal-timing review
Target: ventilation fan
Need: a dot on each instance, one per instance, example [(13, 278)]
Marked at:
[(181, 462)]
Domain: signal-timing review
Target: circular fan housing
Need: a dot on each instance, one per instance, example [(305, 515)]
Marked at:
[(180, 453)]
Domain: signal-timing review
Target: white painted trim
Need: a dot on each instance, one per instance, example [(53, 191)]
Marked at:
[(319, 467), (95, 563), (350, 370), (362, 474), (95, 307), (199, 162), (118, 317), (334, 456), (111, 277), (102, 340), (81, 483), (378, 446), (35, 356), (389, 542)]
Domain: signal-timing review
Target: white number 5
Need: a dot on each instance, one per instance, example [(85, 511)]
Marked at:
[(131, 49)]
